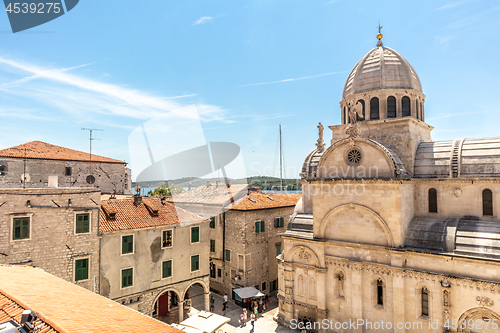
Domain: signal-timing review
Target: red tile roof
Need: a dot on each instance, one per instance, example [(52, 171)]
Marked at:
[(46, 151), (257, 200), (66, 307), (11, 310), (123, 214)]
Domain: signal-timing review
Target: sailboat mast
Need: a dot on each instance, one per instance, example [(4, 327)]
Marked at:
[(281, 165)]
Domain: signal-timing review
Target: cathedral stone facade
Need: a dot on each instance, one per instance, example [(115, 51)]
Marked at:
[(394, 232)]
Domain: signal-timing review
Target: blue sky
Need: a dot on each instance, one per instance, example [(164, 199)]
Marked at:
[(247, 66)]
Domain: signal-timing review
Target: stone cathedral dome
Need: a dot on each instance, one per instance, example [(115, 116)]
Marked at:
[(386, 86), (381, 68)]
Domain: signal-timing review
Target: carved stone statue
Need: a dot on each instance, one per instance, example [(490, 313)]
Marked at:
[(320, 132), (355, 111)]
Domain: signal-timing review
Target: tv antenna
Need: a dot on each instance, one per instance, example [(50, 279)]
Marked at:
[(91, 179)]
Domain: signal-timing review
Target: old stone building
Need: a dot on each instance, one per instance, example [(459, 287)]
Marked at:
[(53, 229), (38, 164), (394, 232), (151, 255), (245, 240)]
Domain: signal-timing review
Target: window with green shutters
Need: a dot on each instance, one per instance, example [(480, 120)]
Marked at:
[(81, 269), (278, 249), (279, 222), (166, 269), (82, 223), (260, 226), (228, 255), (127, 277), (212, 245), (127, 244), (21, 228), (195, 234), (195, 263)]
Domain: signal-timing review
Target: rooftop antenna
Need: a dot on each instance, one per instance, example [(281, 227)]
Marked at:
[(91, 179), (281, 164)]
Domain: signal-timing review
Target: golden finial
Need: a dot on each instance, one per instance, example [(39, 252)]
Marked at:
[(379, 35)]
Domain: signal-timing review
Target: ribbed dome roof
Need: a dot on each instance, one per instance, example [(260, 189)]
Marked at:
[(381, 68)]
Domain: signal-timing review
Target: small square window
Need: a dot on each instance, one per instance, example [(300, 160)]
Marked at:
[(81, 269), (166, 269), (82, 223), (195, 263), (167, 239), (228, 255), (127, 244), (195, 234), (127, 277), (67, 171), (212, 245), (21, 228)]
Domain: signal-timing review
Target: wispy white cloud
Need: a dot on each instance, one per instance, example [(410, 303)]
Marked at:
[(84, 99), (290, 80), (453, 4), (473, 18), (450, 115), (203, 19), (331, 2)]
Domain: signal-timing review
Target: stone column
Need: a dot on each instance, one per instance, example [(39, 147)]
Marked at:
[(207, 302), (180, 305), (399, 108), (382, 106), (413, 106), (398, 287), (367, 108), (357, 294)]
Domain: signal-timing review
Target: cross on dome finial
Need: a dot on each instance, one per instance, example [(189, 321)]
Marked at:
[(379, 35)]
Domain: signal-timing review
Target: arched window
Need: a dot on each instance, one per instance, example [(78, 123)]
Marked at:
[(380, 292), (391, 107), (374, 107), (418, 115), (406, 110), (425, 302), (362, 102), (433, 203), (487, 202)]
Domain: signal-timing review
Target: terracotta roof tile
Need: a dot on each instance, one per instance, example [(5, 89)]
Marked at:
[(257, 200), (128, 215), (66, 307), (46, 151)]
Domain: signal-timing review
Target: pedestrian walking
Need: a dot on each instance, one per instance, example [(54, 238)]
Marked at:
[(256, 312), (261, 305), (224, 308), (252, 320), (212, 304)]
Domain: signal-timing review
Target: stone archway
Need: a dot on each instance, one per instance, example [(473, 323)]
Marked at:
[(197, 295), (166, 306), (478, 317)]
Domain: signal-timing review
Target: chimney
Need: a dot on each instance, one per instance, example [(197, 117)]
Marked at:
[(137, 199)]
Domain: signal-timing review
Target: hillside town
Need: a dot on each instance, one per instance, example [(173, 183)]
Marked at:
[(381, 229)]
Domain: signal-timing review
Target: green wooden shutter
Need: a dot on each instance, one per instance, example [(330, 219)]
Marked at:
[(257, 227), (21, 228), (127, 244), (81, 269), (127, 277), (82, 223), (262, 226), (212, 245), (228, 255), (282, 222), (195, 263), (278, 249), (195, 234), (167, 269)]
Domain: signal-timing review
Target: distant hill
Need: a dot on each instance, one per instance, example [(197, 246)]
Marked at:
[(266, 182)]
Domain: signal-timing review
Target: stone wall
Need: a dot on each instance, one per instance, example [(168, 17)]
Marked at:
[(253, 255), (53, 244), (109, 177), (146, 261)]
